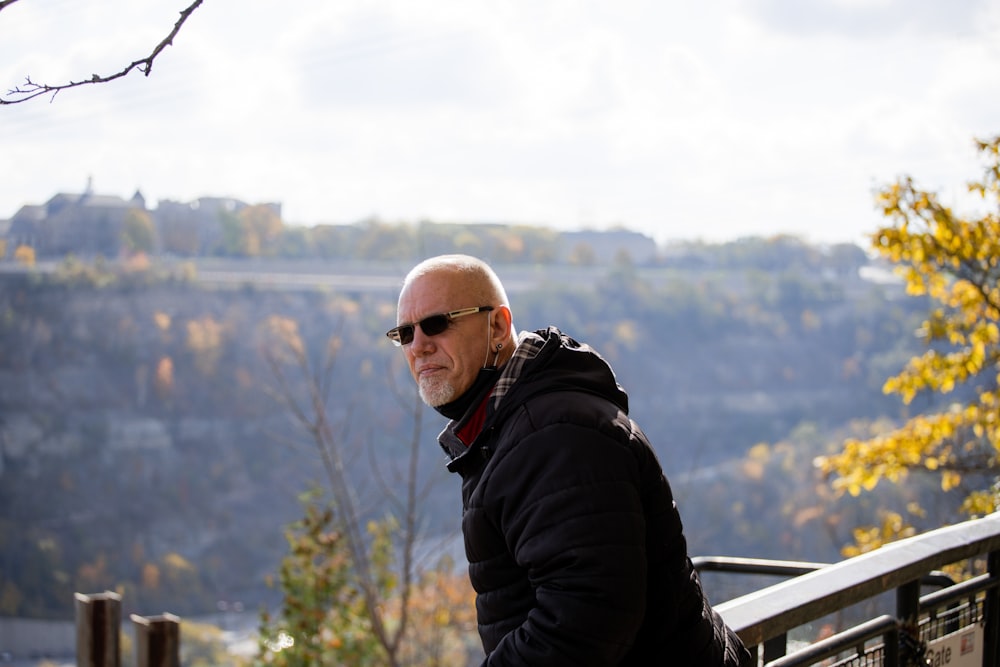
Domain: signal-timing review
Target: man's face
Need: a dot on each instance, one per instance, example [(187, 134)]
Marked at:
[(445, 365)]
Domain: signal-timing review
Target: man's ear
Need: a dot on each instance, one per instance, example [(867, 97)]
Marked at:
[(502, 324)]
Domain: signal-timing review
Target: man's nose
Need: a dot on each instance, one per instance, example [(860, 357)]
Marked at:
[(422, 343)]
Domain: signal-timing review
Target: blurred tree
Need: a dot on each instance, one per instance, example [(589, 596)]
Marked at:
[(138, 232), (231, 243), (443, 620), (369, 565), (205, 339), (322, 619), (846, 259), (295, 242), (381, 240), (955, 262), (582, 254), (464, 241), (505, 244), (541, 244), (261, 228), (163, 378), (204, 645), (25, 254), (333, 241), (179, 233)]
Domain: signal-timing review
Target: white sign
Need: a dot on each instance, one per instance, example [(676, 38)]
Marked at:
[(959, 649)]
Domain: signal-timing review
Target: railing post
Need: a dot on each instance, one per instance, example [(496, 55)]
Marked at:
[(98, 623), (892, 648), (991, 614), (157, 640), (775, 647), (908, 617)]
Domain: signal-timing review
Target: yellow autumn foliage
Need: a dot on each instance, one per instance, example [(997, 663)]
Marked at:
[(955, 261)]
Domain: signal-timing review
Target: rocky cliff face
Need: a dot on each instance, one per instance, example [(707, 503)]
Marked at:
[(138, 433)]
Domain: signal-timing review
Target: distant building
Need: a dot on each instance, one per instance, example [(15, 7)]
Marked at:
[(90, 224), (83, 224), (197, 227), (194, 228)]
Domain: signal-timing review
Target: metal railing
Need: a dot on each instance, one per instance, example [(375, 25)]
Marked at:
[(764, 618)]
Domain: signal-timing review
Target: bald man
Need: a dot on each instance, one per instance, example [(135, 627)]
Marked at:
[(575, 546)]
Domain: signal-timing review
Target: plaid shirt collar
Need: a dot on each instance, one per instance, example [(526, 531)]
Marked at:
[(528, 346)]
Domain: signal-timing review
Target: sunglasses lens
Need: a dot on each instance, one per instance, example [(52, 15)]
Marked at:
[(406, 334), (433, 325)]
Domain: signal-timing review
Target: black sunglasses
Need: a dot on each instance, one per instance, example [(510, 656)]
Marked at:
[(432, 325)]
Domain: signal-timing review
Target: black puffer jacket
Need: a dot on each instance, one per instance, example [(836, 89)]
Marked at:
[(574, 543)]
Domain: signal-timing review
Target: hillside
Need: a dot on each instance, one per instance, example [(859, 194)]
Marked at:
[(141, 445)]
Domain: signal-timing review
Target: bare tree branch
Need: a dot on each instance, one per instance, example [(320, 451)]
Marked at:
[(303, 387), (30, 89)]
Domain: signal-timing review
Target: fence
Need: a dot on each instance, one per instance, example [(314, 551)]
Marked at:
[(958, 625), (98, 621)]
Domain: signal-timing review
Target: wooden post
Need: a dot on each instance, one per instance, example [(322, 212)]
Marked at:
[(157, 640), (98, 622)]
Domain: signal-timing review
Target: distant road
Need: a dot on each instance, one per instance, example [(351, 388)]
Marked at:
[(342, 275), (351, 275), (283, 280), (274, 274), (363, 276)]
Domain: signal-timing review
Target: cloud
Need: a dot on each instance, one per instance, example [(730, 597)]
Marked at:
[(871, 19), (715, 119)]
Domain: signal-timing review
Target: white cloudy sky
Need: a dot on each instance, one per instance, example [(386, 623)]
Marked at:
[(712, 119)]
